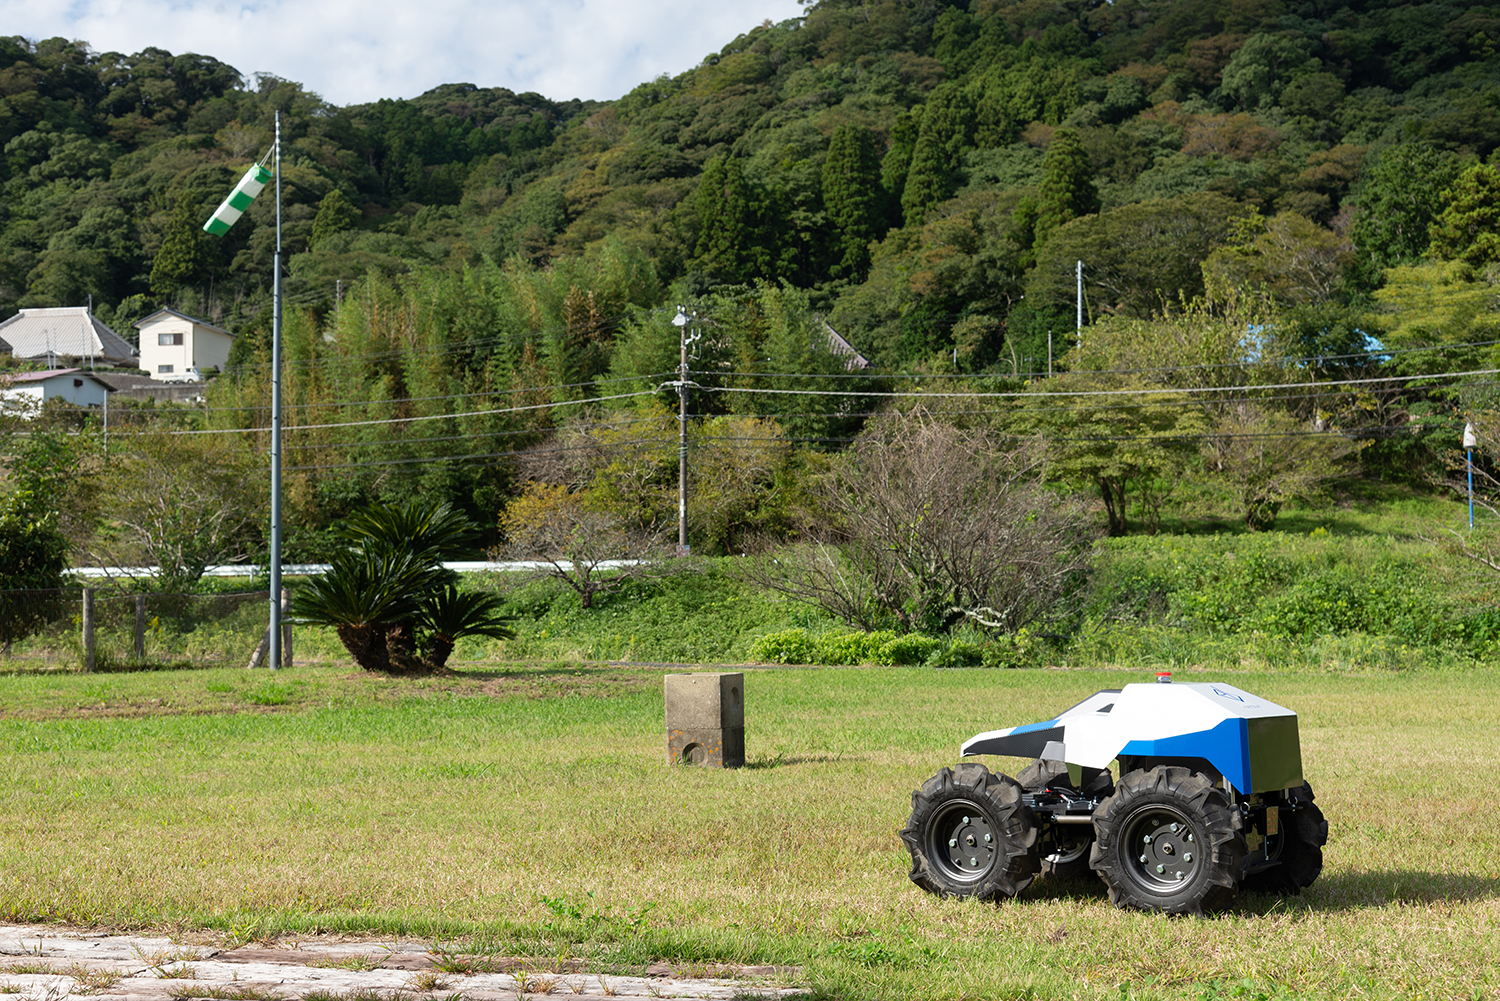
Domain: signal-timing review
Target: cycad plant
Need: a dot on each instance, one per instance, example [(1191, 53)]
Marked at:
[(396, 608)]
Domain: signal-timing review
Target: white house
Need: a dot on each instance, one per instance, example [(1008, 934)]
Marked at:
[(30, 390), (48, 335), (172, 343)]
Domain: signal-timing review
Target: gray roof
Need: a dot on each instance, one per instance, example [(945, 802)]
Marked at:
[(167, 311), (66, 330)]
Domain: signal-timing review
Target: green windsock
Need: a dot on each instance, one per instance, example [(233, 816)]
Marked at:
[(239, 200)]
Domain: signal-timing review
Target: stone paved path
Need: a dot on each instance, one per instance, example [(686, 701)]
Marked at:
[(47, 963)]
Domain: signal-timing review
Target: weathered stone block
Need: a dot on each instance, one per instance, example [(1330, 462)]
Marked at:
[(705, 701), (711, 747)]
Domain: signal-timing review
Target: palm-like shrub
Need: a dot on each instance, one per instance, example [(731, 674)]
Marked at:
[(395, 607)]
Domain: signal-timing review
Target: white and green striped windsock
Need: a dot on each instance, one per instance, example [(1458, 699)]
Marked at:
[(239, 200)]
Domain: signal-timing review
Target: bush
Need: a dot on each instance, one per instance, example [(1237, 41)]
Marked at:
[(789, 646), (852, 648), (911, 649)]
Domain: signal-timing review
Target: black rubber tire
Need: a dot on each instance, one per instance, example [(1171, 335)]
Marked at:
[(951, 815), (1298, 848), (1137, 823), (1072, 843)]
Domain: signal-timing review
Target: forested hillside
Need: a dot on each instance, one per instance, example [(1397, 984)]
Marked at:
[(1262, 194)]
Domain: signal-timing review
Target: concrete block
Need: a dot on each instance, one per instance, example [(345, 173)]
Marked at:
[(711, 747), (705, 701)]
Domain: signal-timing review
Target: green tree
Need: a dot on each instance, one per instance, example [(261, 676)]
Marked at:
[(1068, 190), (1398, 202), (947, 131), (1289, 259), (728, 226), (1134, 256), (181, 503), (186, 252), (1468, 228), (853, 197), (336, 213)]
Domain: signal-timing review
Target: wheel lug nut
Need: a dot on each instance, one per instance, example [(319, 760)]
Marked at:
[(1176, 828), (966, 820), (986, 838), (1179, 873), (973, 861), (1147, 839), (1143, 860), (1189, 836), (1187, 856), (1161, 868), (952, 842)]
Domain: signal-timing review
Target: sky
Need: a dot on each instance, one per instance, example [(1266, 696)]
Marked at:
[(355, 51)]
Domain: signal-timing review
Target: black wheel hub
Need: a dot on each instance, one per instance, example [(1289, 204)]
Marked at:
[(1162, 850), (962, 841)]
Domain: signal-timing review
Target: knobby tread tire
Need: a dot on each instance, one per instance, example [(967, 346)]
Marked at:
[(1148, 801), (970, 789), (1300, 852)]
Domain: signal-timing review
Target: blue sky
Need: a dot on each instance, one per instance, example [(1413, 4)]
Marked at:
[(353, 51)]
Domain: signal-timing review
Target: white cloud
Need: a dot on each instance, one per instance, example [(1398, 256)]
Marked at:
[(351, 52)]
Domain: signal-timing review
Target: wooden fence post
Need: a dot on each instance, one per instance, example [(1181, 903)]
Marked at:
[(286, 633), (88, 629), (140, 627)]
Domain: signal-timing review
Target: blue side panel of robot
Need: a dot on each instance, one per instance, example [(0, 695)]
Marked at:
[(1046, 724), (1226, 746)]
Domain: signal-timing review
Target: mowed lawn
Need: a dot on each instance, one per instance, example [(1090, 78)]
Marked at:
[(530, 811)]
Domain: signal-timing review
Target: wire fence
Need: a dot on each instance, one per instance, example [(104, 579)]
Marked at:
[(89, 629)]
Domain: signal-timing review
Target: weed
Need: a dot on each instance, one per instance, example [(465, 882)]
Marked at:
[(427, 981), (87, 981), (358, 962), (358, 994), (229, 992), (605, 987), (42, 968), (272, 693), (593, 918), (160, 959)]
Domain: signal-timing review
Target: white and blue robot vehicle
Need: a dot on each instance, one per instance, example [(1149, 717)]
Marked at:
[(1210, 799)]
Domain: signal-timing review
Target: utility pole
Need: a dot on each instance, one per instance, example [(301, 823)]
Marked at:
[(1080, 304), (688, 337)]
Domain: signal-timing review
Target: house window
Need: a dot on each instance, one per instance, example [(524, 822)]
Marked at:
[(174, 339), (163, 369)]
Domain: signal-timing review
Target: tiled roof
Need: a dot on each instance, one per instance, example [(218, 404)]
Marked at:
[(68, 330)]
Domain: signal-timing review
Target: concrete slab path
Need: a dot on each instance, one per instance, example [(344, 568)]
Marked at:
[(49, 963)]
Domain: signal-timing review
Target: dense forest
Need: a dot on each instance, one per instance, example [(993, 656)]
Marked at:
[(482, 286)]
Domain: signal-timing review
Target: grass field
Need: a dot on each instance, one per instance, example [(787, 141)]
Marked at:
[(530, 811)]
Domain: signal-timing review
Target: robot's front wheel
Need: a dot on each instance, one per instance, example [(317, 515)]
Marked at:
[(970, 835), (1169, 840)]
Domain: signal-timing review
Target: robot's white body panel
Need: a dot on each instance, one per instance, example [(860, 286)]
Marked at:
[(1250, 741)]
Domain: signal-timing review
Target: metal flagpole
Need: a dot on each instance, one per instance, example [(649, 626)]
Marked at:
[(225, 216), (275, 645)]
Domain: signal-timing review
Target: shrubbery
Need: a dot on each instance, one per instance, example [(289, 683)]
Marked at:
[(885, 648), (1283, 587)]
